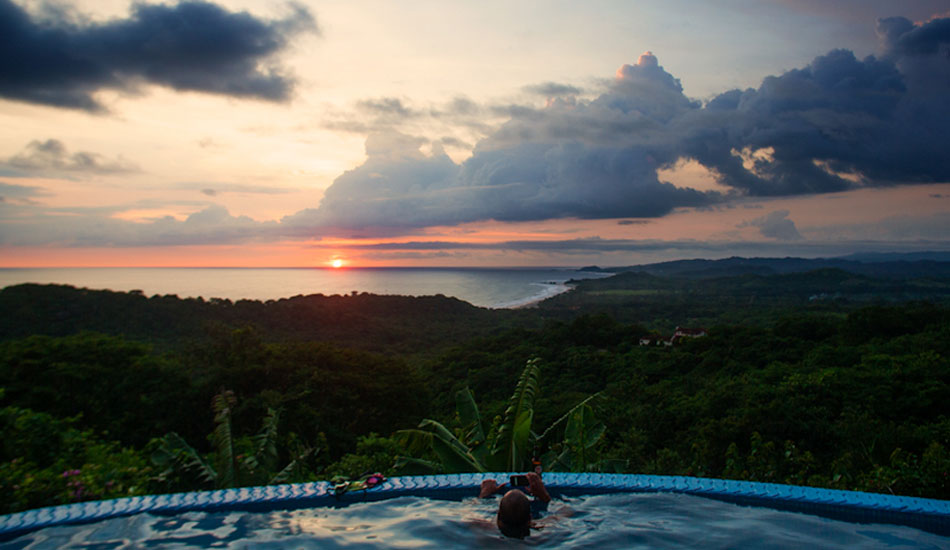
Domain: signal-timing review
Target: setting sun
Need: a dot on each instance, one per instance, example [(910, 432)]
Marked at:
[(337, 263)]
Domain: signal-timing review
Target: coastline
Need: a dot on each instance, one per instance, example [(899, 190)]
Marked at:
[(487, 288), (551, 289)]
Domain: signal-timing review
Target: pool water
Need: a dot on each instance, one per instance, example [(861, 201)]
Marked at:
[(623, 520)]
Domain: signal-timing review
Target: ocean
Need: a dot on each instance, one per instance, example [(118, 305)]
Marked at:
[(484, 287)]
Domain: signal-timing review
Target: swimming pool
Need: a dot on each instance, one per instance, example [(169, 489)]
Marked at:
[(439, 511)]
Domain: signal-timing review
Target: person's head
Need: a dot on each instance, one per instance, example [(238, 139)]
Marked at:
[(514, 514)]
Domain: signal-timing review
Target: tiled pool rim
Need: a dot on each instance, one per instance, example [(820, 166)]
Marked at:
[(926, 514)]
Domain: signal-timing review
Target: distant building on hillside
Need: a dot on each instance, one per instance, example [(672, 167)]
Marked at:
[(683, 332), (678, 334)]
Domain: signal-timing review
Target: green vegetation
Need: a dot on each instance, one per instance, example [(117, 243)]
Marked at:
[(508, 443), (823, 378), (236, 462)]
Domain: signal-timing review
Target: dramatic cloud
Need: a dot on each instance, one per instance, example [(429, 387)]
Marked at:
[(903, 37), (839, 123), (570, 159), (51, 156), (193, 45), (775, 225)]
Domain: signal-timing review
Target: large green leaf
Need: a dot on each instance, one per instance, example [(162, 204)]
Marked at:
[(473, 432), (455, 456), (221, 439), (583, 430), (295, 467), (414, 441), (265, 442), (510, 449), (591, 400), (454, 461), (175, 454)]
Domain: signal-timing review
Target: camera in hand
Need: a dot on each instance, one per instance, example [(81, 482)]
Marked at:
[(519, 481)]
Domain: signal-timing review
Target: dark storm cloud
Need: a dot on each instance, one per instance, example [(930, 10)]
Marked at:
[(903, 37), (809, 127), (838, 123), (571, 159), (52, 156), (193, 45)]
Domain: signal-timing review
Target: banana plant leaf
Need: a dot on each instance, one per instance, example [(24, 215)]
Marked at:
[(222, 440), (174, 453), (473, 432), (293, 468), (591, 400), (265, 442), (583, 431), (454, 455), (511, 446)]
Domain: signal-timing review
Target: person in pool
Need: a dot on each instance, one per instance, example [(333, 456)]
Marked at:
[(516, 510)]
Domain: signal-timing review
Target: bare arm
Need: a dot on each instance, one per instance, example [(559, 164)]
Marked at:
[(536, 486), (489, 488)]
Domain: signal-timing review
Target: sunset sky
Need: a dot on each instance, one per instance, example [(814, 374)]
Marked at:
[(529, 133)]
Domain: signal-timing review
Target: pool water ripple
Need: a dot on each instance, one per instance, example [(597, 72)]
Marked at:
[(626, 520)]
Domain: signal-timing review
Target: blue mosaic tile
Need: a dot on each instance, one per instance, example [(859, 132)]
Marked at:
[(803, 498)]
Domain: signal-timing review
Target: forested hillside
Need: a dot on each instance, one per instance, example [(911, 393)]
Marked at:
[(109, 394)]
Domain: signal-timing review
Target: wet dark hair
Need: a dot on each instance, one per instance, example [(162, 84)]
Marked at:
[(514, 514)]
